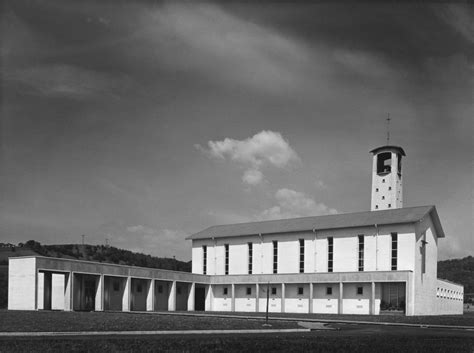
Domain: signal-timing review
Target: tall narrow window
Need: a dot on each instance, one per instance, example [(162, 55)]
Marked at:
[(423, 253), (330, 254), (275, 256), (204, 259), (394, 251), (226, 247), (301, 255), (361, 252), (250, 257)]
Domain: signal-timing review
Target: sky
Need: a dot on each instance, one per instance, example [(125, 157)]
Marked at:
[(138, 123)]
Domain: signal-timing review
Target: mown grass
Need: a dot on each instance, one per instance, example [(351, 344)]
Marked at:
[(54, 321), (461, 320), (310, 342)]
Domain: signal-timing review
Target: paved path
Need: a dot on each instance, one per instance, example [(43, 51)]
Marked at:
[(138, 333), (302, 319)]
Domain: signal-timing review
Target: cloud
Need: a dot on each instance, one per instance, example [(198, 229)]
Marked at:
[(205, 38), (291, 203), (264, 148), (66, 81), (459, 17)]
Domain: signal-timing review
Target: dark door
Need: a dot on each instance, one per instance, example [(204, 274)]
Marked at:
[(89, 294), (199, 298)]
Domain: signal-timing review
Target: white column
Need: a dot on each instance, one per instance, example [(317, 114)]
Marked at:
[(257, 297), (68, 292), (40, 291), (232, 303), (283, 297), (127, 294), (191, 296), (150, 297), (99, 294), (310, 304), (341, 298), (172, 297), (372, 299)]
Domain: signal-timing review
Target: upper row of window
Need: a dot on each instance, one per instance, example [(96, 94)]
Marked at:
[(330, 253)]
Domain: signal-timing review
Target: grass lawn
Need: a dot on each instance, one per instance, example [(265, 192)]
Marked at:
[(462, 320), (288, 342), (349, 338), (55, 321)]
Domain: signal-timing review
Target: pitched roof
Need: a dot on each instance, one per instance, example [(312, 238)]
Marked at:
[(346, 220)]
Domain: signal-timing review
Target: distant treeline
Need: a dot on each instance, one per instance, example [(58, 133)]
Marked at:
[(100, 253), (459, 271)]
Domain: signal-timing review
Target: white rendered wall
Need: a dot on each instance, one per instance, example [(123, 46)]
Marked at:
[(244, 302), (274, 302), (354, 303), (40, 295), (57, 291), (294, 302), (222, 302), (324, 303), (22, 284), (425, 284), (449, 298), (377, 251)]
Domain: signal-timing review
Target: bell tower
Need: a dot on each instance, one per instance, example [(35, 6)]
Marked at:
[(387, 182)]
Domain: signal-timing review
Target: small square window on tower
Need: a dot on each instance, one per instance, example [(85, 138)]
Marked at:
[(389, 205), (390, 188), (383, 180), (376, 206), (376, 189), (383, 197)]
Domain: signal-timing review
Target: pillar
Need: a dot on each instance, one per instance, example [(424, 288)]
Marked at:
[(172, 297), (68, 292), (191, 296), (310, 298), (232, 303), (99, 294), (127, 294), (341, 298), (372, 299), (283, 297), (150, 297), (257, 297)]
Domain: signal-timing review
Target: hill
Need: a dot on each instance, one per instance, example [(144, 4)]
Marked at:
[(458, 270)]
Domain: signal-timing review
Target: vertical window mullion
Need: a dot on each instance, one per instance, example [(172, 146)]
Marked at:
[(275, 256), (301, 241), (330, 253), (226, 265), (394, 251)]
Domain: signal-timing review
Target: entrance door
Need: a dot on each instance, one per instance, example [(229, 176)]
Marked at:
[(89, 294), (199, 298)]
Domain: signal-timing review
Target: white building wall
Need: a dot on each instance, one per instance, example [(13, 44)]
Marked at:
[(57, 291), (294, 302), (449, 298), (40, 295), (196, 255), (321, 257), (346, 254), (354, 303), (274, 300), (222, 302), (325, 303), (22, 284), (244, 302), (425, 284)]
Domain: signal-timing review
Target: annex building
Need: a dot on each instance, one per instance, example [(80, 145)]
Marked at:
[(383, 260)]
